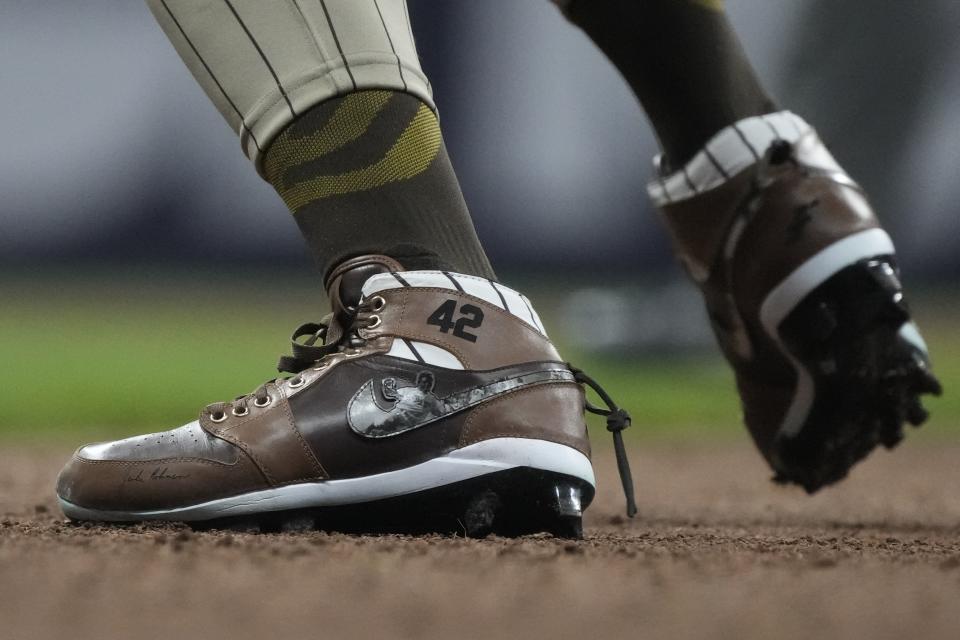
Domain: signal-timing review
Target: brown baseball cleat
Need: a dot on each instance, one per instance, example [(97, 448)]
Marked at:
[(427, 401), (802, 288)]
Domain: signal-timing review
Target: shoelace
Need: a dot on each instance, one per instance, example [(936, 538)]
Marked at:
[(331, 334), (306, 353), (617, 420)]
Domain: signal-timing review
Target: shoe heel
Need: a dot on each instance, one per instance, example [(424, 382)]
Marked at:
[(528, 501)]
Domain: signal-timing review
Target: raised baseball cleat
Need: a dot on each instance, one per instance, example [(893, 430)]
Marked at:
[(803, 292), (427, 401)]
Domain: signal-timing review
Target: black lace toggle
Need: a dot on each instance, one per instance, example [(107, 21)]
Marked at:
[(617, 420)]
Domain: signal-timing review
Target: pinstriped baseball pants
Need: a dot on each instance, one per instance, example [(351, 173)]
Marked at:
[(264, 62)]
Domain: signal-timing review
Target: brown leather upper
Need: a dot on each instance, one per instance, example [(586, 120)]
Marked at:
[(502, 338), (271, 439), (790, 214), (698, 226), (550, 412)]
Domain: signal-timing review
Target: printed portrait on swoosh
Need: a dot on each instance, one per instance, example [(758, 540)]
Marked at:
[(402, 405)]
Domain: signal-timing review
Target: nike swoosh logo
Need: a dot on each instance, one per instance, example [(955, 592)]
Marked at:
[(400, 405)]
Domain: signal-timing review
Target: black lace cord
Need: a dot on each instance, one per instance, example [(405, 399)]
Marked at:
[(617, 420), (306, 353), (331, 335)]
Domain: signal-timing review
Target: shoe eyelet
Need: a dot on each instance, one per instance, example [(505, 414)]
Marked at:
[(266, 402), (321, 364), (240, 414), (352, 353), (378, 303), (295, 382), (219, 416), (374, 322)]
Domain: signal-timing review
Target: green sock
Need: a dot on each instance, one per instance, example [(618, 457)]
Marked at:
[(368, 173)]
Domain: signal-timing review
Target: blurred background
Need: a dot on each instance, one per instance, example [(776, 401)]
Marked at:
[(140, 253)]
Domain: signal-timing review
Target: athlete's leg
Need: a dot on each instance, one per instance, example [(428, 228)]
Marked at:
[(682, 60), (334, 111), (799, 279)]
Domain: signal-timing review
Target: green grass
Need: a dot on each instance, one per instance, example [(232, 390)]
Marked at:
[(92, 358)]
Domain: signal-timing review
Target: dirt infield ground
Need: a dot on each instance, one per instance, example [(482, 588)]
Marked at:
[(716, 552)]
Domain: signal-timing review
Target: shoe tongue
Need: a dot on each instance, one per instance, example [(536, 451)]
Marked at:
[(345, 283), (351, 284)]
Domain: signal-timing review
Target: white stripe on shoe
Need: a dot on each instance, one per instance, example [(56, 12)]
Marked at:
[(424, 353), (493, 293), (732, 150), (795, 287)]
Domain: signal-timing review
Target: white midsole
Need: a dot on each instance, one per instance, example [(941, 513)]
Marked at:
[(488, 456), (788, 294)]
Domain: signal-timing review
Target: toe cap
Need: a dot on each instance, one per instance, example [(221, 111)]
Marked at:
[(127, 478)]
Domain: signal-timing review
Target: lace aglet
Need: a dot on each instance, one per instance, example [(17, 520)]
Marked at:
[(626, 477)]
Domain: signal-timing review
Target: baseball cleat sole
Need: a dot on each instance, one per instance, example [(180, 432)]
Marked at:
[(507, 486), (862, 369)]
